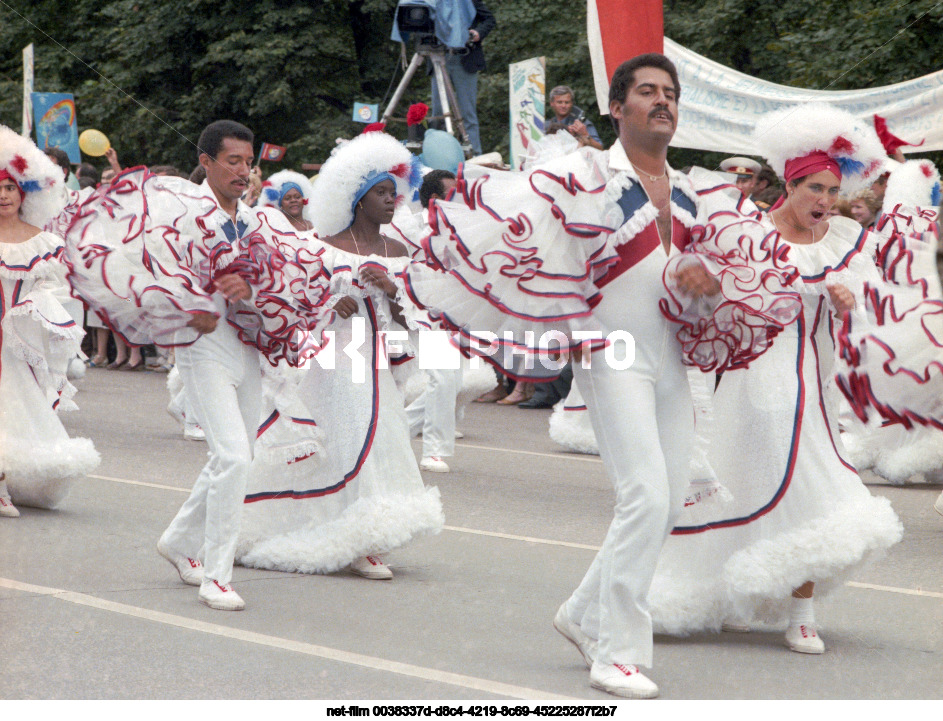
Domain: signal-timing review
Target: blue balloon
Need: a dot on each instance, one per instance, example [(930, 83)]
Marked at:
[(440, 151)]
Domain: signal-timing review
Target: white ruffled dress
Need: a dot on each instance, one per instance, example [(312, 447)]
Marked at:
[(364, 495), (895, 450), (38, 338), (799, 510)]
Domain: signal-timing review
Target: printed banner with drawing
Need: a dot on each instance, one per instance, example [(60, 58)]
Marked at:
[(526, 87)]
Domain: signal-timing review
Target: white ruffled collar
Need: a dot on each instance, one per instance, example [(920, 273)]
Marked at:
[(354, 260), (844, 248), (624, 177), (620, 163), (20, 259)]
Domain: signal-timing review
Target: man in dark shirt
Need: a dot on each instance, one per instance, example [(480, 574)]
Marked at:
[(570, 118)]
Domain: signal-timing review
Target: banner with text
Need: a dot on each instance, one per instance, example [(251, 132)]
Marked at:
[(526, 88), (719, 106)]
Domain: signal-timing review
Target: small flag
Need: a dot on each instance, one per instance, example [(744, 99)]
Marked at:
[(271, 152), (364, 113)]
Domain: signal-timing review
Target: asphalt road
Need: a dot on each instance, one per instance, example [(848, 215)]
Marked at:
[(88, 610)]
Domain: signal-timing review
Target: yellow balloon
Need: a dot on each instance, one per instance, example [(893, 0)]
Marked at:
[(94, 142)]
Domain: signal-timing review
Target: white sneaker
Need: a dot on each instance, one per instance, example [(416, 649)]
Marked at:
[(573, 633), (190, 569), (371, 567), (193, 432), (735, 627), (804, 639), (622, 680), (222, 597), (459, 434), (434, 464), (7, 509), (938, 506)]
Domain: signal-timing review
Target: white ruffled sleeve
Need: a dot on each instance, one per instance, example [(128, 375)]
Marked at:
[(512, 260)]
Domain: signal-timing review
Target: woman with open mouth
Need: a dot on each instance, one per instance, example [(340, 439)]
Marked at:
[(800, 520)]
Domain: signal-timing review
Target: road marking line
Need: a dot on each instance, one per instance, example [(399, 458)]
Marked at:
[(140, 483), (894, 589), (456, 529), (544, 541), (285, 644), (527, 539), (583, 458)]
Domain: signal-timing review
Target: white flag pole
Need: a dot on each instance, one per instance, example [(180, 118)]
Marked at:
[(28, 90)]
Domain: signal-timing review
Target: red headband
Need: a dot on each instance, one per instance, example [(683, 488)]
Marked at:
[(814, 162), (5, 175)]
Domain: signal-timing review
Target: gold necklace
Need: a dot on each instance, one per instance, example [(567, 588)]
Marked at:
[(357, 247), (651, 177)]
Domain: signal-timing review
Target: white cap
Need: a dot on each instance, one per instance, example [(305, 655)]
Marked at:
[(740, 166)]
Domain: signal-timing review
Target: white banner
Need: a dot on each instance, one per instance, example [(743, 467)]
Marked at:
[(27, 90), (719, 106), (526, 90)]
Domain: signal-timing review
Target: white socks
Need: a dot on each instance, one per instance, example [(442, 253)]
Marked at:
[(802, 613)]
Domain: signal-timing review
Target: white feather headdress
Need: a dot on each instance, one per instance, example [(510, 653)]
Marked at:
[(272, 190), (36, 174), (915, 183), (346, 171), (794, 132)]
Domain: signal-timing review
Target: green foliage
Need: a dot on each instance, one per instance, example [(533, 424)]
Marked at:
[(152, 75)]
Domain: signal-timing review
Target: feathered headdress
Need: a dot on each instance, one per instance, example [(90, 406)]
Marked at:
[(805, 139), (915, 183), (350, 167), (274, 189), (39, 178)]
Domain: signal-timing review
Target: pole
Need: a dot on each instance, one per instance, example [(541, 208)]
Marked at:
[(28, 90)]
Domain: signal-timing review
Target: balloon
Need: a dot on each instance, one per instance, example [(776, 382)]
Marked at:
[(440, 151), (94, 142)]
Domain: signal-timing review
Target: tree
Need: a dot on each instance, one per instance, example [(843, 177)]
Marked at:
[(152, 75)]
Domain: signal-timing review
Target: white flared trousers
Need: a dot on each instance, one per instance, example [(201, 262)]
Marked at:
[(433, 412), (644, 423), (222, 380)]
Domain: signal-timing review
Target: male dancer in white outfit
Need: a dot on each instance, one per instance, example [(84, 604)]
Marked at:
[(222, 378), (642, 416), (433, 412)]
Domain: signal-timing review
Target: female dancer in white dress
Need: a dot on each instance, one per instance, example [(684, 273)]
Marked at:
[(800, 520), (38, 337), (899, 452), (290, 192), (365, 496)]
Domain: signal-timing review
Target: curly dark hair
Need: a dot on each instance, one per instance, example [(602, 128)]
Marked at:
[(624, 77)]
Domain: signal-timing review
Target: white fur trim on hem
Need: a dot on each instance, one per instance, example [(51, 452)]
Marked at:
[(368, 527), (757, 582), (40, 474)]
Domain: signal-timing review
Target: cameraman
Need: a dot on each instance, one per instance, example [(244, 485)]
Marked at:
[(463, 65), (571, 118)]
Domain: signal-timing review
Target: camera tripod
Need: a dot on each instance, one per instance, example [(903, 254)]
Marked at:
[(448, 101)]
